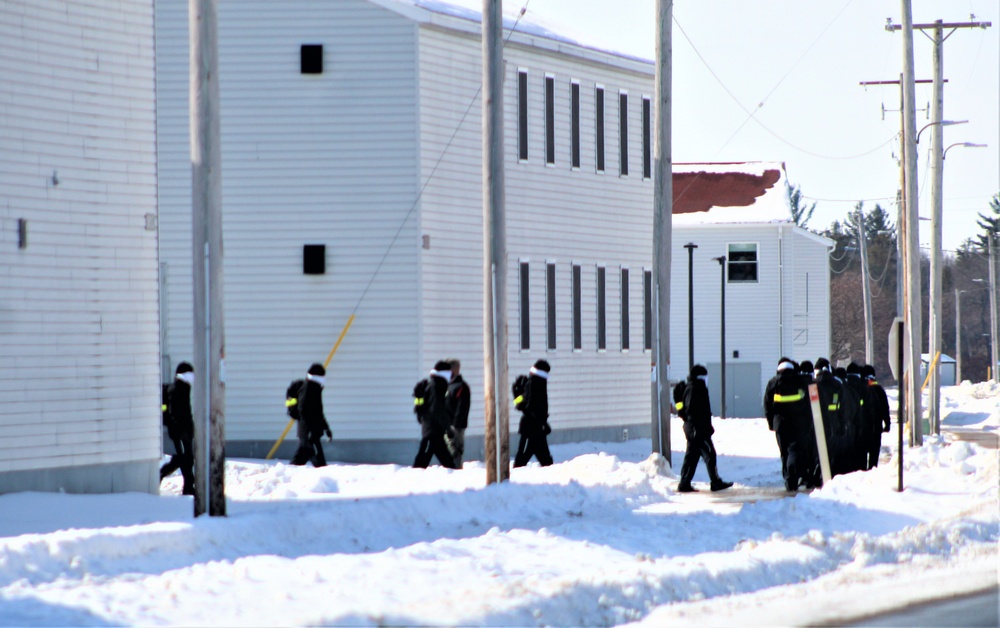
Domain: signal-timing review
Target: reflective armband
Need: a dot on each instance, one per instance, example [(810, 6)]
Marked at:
[(789, 398), (291, 401), (518, 400), (679, 405), (163, 408), (419, 401)]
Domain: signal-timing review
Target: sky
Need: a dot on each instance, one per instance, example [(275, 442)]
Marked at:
[(779, 80), (601, 537)]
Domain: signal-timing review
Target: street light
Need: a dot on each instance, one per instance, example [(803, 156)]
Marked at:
[(965, 144), (690, 246), (942, 123), (722, 317)]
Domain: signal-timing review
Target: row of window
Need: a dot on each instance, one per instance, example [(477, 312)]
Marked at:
[(741, 267), (574, 112)]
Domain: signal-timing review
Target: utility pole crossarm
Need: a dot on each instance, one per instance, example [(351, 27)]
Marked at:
[(920, 27)]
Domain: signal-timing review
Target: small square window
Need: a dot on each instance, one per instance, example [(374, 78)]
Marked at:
[(312, 59), (314, 259), (742, 263)]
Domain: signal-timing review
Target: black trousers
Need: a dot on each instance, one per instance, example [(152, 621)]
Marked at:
[(431, 446), (698, 446), (310, 450), (533, 444), (183, 459), (874, 449)]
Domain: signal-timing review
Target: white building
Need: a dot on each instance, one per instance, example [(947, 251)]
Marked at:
[(355, 126), (79, 335)]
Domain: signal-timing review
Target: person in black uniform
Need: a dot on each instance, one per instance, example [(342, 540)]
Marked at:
[(435, 420), (312, 421), (783, 364), (864, 418), (810, 450), (839, 405), (698, 430), (180, 426), (534, 425), (787, 411), (880, 412), (458, 403)]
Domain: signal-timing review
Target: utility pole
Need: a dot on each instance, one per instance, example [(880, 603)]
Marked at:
[(994, 328), (497, 410), (208, 391), (866, 288), (958, 336), (936, 183), (722, 338), (663, 207), (690, 246)]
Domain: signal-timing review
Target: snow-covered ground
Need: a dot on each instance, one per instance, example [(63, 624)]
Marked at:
[(599, 538)]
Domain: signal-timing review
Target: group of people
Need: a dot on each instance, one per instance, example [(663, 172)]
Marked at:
[(441, 403), (855, 413)]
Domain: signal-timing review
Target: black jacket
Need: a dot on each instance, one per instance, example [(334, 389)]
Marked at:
[(786, 402), (535, 415), (880, 407), (312, 420), (865, 422), (458, 402), (179, 409), (436, 418), (697, 409)]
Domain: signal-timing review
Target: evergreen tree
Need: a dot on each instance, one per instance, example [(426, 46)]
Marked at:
[(990, 224), (801, 215)]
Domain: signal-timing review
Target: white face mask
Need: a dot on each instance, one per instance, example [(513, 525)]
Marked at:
[(319, 379), (187, 378)]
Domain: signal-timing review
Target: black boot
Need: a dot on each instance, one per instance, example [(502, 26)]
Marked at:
[(685, 487), (719, 484)]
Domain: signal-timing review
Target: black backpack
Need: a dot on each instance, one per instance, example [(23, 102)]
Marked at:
[(420, 398), (292, 398), (518, 388)]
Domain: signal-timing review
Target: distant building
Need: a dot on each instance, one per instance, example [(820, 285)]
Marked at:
[(351, 177), (946, 368), (79, 335)]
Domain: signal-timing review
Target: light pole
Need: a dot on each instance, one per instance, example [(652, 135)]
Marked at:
[(722, 340), (690, 246)]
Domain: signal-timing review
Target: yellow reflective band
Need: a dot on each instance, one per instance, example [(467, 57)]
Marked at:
[(832, 407), (789, 398), (419, 401), (679, 405), (163, 408), (518, 399), (292, 401), (862, 402)]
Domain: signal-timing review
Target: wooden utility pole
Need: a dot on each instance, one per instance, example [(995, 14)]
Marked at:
[(958, 336), (497, 409), (208, 393), (663, 208), (994, 316), (937, 179), (866, 289)]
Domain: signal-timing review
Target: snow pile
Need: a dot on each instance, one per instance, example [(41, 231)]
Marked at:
[(600, 538)]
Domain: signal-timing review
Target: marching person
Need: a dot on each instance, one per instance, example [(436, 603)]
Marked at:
[(698, 430), (786, 408), (880, 412), (312, 421), (435, 419), (180, 426), (534, 427), (864, 419), (838, 404), (458, 403)]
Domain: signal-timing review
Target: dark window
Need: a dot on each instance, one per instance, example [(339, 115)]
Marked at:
[(522, 115), (599, 121), (550, 305), (647, 136), (602, 334), (311, 59), (625, 321), (550, 120), (577, 307), (314, 259), (623, 134), (525, 310), (742, 262), (574, 112), (647, 310)]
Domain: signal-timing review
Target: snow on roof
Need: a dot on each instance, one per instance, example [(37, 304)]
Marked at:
[(546, 22), (745, 192)]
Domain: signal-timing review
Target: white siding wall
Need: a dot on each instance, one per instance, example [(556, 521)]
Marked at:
[(306, 159), (554, 214), (811, 321), (79, 343)]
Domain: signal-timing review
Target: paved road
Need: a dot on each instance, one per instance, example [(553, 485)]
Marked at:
[(980, 609)]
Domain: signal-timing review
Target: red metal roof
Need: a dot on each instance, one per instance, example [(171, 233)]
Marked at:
[(699, 191)]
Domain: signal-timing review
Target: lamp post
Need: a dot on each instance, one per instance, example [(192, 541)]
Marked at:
[(722, 340), (690, 246)]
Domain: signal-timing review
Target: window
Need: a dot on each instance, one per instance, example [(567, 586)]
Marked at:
[(647, 137), (625, 330), (574, 123), (647, 310), (623, 134), (550, 305), (602, 332), (525, 310), (522, 115), (742, 262), (577, 308), (550, 120), (599, 123), (311, 59)]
